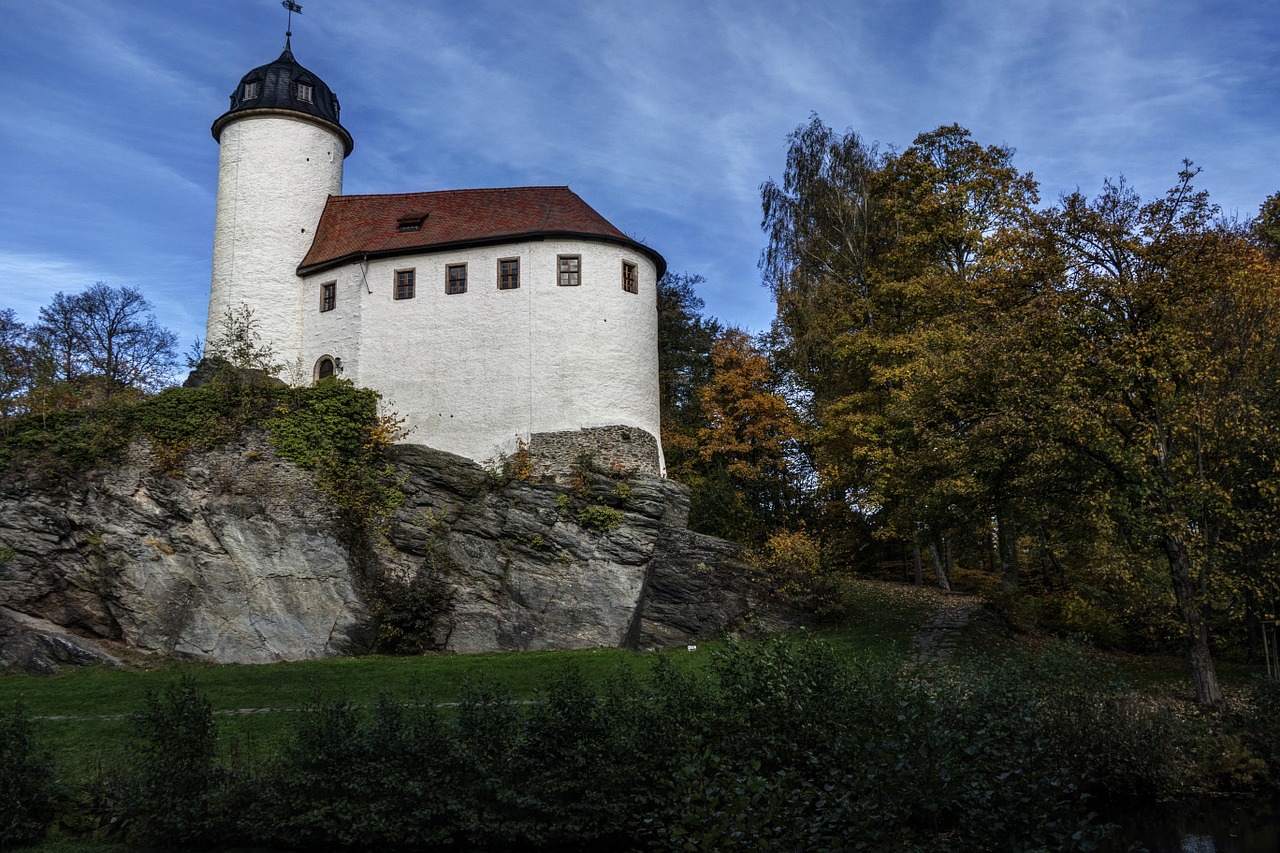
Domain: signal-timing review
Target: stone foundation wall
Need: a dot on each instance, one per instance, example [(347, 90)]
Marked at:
[(613, 449)]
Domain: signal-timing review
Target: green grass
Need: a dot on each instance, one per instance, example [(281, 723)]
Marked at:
[(989, 635), (881, 620), (80, 745), (1169, 672)]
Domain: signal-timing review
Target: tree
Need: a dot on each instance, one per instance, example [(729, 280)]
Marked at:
[(1104, 374), (1168, 346), (726, 431), (685, 339), (1266, 226), (15, 364), (101, 343), (824, 235), (955, 212), (879, 264), (239, 344), (738, 460)]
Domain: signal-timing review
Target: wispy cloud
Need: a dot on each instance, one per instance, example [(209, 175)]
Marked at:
[(31, 280), (665, 116)]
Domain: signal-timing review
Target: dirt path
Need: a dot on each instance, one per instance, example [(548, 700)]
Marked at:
[(936, 640)]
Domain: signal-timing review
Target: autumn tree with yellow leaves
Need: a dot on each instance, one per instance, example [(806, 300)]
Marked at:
[(1100, 378), (1165, 331)]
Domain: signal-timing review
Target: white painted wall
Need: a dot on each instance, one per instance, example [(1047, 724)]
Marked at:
[(274, 175), (473, 371)]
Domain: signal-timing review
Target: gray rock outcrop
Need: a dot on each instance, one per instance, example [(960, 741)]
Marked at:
[(240, 558)]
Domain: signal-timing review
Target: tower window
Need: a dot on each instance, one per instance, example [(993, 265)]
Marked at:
[(455, 278), (630, 277), (570, 270), (404, 284), (251, 89), (302, 91), (328, 296), (508, 273), (325, 368)]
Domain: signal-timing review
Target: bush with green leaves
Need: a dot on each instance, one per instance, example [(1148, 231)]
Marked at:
[(801, 752), (1259, 725), (779, 745), (335, 429), (173, 791), (27, 787), (351, 778)]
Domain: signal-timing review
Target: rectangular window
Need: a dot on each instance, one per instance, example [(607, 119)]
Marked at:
[(251, 89), (328, 296), (404, 284), (455, 278), (630, 277), (303, 92), (570, 267), (508, 273)]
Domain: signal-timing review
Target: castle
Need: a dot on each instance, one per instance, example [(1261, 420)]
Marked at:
[(484, 317)]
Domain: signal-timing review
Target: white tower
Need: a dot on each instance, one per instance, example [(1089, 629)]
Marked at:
[(281, 149)]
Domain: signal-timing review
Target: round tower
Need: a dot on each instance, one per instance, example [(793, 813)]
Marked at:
[(281, 149)]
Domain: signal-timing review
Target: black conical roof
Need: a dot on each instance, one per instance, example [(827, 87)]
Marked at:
[(284, 85)]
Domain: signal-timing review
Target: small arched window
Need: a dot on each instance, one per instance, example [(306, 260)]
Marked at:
[(324, 368)]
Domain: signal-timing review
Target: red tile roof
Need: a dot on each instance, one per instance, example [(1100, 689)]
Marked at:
[(357, 226)]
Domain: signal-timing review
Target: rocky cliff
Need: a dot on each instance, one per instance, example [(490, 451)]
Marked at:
[(239, 557)]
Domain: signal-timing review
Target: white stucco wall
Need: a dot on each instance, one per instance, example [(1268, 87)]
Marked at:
[(274, 175), (473, 371)]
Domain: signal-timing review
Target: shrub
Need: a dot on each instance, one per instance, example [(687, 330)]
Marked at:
[(599, 518), (1113, 741), (27, 790), (173, 791), (778, 745), (795, 751), (383, 779), (411, 618), (1262, 724), (789, 566), (486, 734), (574, 791), (509, 467)]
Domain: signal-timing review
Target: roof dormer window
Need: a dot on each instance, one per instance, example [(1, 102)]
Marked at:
[(252, 89), (302, 91), (412, 222)]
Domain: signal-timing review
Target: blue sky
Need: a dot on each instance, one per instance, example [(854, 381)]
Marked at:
[(666, 116)]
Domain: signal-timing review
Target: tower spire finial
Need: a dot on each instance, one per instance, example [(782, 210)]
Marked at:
[(288, 31)]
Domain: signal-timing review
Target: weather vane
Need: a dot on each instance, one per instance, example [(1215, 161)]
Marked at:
[(292, 7)]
